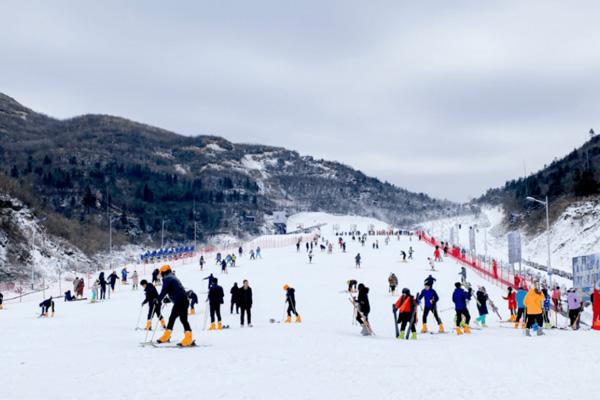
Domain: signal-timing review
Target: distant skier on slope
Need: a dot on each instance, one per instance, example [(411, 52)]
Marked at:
[(406, 306), (410, 253), (512, 303), (102, 282), (154, 308), (482, 300), (1, 301), (234, 293), (364, 308), (310, 256), (393, 283), (290, 299), (403, 253), (460, 297), (193, 299), (357, 259), (174, 289), (112, 279), (46, 305), (202, 261)]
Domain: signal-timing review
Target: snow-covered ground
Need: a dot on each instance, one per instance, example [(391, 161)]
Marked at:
[(92, 351)]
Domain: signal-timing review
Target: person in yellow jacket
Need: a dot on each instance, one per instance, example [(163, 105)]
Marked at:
[(533, 302)]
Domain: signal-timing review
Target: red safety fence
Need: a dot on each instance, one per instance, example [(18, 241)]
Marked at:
[(487, 268)]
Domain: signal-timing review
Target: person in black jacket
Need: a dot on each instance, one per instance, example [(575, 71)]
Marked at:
[(174, 289), (46, 305), (215, 299), (102, 282), (112, 279), (155, 276), (245, 302), (153, 308), (363, 303), (235, 290), (1, 300), (193, 298), (290, 299)]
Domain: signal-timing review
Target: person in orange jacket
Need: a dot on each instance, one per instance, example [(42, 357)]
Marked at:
[(533, 302), (512, 303), (406, 306)]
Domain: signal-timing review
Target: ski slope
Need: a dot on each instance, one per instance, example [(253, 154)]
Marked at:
[(91, 351)]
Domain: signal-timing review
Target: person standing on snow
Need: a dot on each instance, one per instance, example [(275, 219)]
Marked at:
[(574, 304), (124, 274), (201, 262), (135, 279), (482, 298), (594, 299), (556, 299), (102, 283), (235, 296), (546, 306), (215, 299), (223, 266), (112, 279), (357, 260), (154, 308), (512, 303), (410, 253), (533, 302), (310, 256), (174, 289), (80, 286), (460, 297), (430, 299), (520, 297), (393, 282), (155, 274), (1, 300), (245, 302), (406, 306), (363, 307), (290, 299)]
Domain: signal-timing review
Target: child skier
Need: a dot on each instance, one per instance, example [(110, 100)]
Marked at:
[(406, 306), (46, 305), (154, 308), (460, 298), (290, 299), (393, 282), (482, 299), (512, 303), (174, 289), (310, 256), (430, 299), (193, 298), (431, 264), (363, 308), (135, 279), (112, 279), (546, 306), (520, 297)]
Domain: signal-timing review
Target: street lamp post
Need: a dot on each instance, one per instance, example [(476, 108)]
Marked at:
[(162, 234), (546, 204)]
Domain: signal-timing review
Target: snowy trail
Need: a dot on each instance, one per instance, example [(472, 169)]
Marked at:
[(91, 351)]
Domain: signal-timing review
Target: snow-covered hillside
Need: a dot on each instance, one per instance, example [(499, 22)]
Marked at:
[(92, 350), (576, 232)]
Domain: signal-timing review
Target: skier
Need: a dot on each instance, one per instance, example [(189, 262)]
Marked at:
[(297, 246), (235, 298), (482, 299), (252, 257), (174, 289), (124, 274), (245, 302), (155, 274), (364, 308), (533, 302), (290, 299), (406, 306), (135, 278), (594, 298), (193, 299), (352, 285), (258, 255), (393, 282), (223, 266), (546, 307), (95, 288), (202, 262), (512, 303), (80, 286), (240, 251), (430, 299), (46, 305), (431, 264), (463, 275), (103, 284), (556, 299), (218, 259), (520, 297), (215, 299), (436, 255), (1, 300), (574, 305), (112, 279), (357, 260), (403, 253), (211, 280), (460, 298), (310, 256), (410, 253), (154, 308)]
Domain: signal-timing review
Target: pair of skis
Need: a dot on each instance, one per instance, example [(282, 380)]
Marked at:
[(411, 324), (363, 317)]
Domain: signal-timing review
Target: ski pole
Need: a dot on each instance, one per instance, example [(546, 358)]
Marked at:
[(137, 324)]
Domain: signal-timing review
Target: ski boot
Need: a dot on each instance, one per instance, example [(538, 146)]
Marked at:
[(523, 325), (365, 331), (298, 319), (540, 331), (148, 325), (166, 337), (528, 332), (516, 325), (192, 312), (212, 327), (219, 325), (424, 328), (163, 324), (441, 328), (413, 336), (187, 339), (467, 328), (287, 320), (459, 331)]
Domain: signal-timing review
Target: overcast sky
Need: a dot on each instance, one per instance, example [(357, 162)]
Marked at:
[(444, 97)]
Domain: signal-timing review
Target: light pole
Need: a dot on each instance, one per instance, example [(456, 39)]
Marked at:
[(545, 203), (194, 236), (162, 234), (38, 221)]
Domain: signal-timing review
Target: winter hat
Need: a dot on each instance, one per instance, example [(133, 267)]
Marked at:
[(164, 269), (457, 284), (285, 287), (406, 291)]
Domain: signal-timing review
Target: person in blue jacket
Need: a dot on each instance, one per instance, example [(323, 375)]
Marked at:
[(211, 280), (521, 293), (460, 297), (546, 307), (430, 299), (124, 274)]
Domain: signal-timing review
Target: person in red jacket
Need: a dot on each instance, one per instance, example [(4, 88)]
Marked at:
[(437, 255), (495, 269), (596, 307), (512, 303)]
